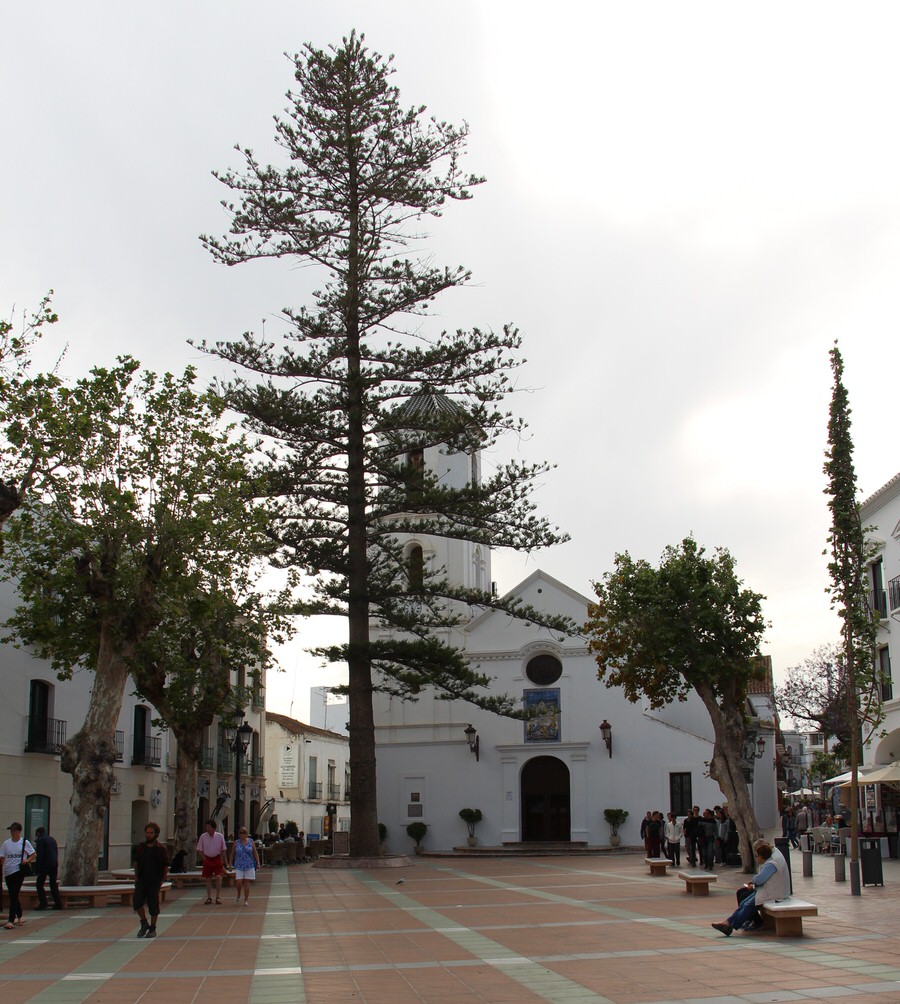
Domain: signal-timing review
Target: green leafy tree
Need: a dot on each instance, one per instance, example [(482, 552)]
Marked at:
[(848, 567), (205, 630), (150, 508), (825, 765), (688, 625), (358, 390), (18, 471)]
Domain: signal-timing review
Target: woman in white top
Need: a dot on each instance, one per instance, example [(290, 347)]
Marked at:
[(12, 853)]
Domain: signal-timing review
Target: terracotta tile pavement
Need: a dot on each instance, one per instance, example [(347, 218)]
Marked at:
[(554, 929)]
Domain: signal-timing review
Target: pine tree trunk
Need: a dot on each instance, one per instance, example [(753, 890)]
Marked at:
[(89, 757), (727, 770), (186, 771), (364, 840)]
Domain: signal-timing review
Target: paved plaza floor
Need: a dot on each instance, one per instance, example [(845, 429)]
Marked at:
[(457, 929)]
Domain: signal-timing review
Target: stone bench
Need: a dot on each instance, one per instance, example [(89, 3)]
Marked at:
[(658, 866), (786, 916), (179, 879), (121, 893), (697, 883)]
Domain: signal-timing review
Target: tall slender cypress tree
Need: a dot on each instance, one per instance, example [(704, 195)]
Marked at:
[(849, 586), (357, 388)]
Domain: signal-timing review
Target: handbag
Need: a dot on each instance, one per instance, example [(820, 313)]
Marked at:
[(26, 869)]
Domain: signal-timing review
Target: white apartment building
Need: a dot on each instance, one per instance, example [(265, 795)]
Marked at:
[(309, 769), (39, 713)]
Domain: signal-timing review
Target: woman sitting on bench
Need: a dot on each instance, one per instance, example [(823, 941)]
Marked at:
[(769, 884)]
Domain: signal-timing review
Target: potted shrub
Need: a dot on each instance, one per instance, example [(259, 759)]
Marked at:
[(417, 831), (470, 817), (615, 818)]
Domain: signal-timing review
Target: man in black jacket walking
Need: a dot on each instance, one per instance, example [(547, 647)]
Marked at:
[(46, 866)]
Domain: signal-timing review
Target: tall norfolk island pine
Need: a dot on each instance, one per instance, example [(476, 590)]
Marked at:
[(356, 389)]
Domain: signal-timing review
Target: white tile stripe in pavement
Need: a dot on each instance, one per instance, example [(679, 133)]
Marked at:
[(278, 976)]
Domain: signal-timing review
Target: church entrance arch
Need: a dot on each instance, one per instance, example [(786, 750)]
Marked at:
[(545, 799)]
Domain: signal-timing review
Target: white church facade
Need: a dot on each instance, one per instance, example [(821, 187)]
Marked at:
[(550, 778)]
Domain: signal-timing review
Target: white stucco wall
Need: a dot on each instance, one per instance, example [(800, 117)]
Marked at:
[(422, 748), (881, 516)]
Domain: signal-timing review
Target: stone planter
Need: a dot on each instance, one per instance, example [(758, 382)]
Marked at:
[(471, 841)]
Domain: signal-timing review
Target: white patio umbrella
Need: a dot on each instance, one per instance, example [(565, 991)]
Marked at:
[(838, 778), (888, 774), (802, 791)]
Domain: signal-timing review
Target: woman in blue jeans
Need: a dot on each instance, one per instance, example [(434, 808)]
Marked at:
[(770, 884)]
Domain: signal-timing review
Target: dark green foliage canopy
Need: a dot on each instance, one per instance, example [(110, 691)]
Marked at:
[(356, 383), (662, 632), (848, 550), (19, 470), (688, 625), (146, 517)]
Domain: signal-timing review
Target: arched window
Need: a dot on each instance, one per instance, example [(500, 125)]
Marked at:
[(543, 670)]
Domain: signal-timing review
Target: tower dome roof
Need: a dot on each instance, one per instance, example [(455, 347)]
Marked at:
[(422, 409)]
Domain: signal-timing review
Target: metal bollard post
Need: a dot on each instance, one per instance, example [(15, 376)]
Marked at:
[(840, 871), (807, 864)]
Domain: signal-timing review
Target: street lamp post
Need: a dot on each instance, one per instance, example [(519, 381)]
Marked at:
[(238, 738)]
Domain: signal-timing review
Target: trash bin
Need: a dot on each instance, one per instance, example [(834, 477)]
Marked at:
[(870, 859), (784, 845)]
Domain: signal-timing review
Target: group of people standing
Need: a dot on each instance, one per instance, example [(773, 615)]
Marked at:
[(710, 837), (151, 868)]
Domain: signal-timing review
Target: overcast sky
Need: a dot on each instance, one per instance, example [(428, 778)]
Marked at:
[(686, 204)]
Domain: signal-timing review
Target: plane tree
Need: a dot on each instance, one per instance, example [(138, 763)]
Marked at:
[(153, 505), (19, 471), (688, 625), (358, 388)]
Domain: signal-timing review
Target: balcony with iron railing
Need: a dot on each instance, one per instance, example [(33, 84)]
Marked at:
[(257, 767), (878, 601), (120, 746), (147, 750), (346, 792), (894, 593), (45, 735), (206, 758), (315, 789), (334, 793), (224, 760)]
